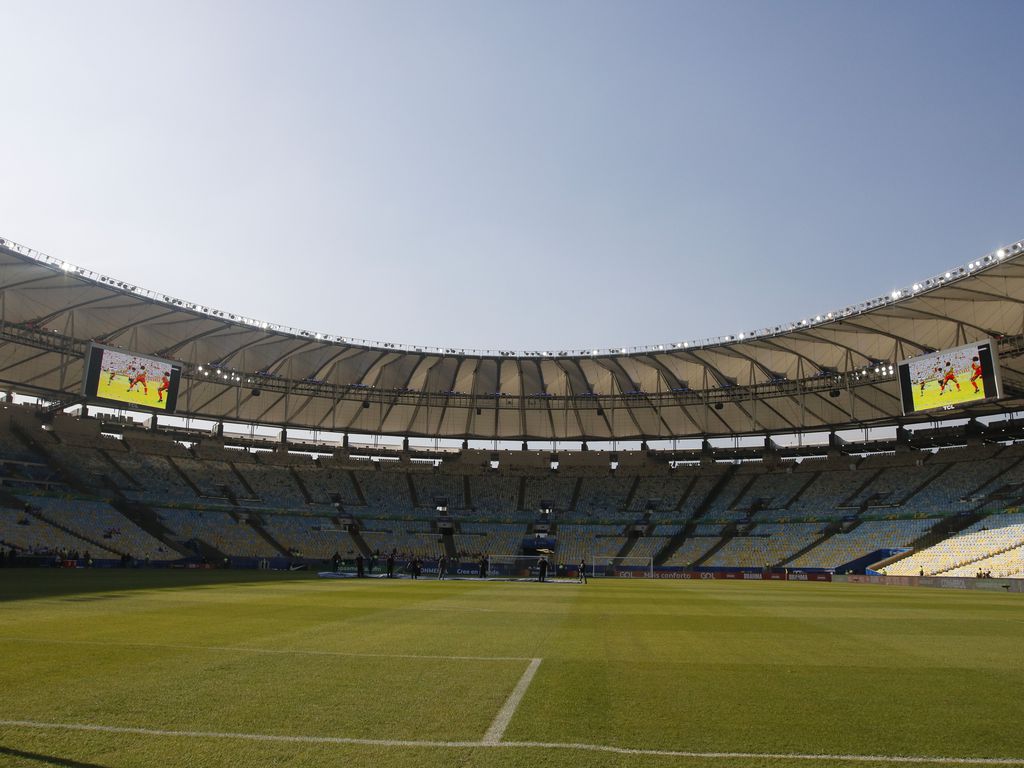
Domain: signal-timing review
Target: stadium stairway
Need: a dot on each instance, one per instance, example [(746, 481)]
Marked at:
[(256, 523), (37, 513), (728, 534), (742, 492), (354, 479), (207, 551), (184, 476), (356, 536), (576, 494), (253, 496), (627, 547), (64, 474), (676, 541), (448, 541), (412, 489), (148, 520), (307, 497), (678, 506), (830, 531), (632, 492), (713, 494), (847, 503), (120, 469), (796, 496), (921, 486)]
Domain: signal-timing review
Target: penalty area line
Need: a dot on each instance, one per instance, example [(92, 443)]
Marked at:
[(504, 716), (283, 738)]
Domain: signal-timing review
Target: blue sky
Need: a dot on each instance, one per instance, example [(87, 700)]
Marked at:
[(528, 175)]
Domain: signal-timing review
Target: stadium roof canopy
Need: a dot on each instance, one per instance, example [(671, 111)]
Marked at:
[(831, 371)]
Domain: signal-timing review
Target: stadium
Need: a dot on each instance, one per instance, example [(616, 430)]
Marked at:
[(363, 403), (788, 549)]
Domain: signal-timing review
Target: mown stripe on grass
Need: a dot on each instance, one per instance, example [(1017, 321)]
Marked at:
[(283, 738), (244, 649)]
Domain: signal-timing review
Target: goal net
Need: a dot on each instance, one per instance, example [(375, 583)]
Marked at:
[(517, 567), (527, 567)]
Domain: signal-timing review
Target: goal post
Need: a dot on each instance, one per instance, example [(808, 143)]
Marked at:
[(527, 567), (513, 566)]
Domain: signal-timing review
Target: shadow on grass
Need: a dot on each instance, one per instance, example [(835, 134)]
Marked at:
[(47, 759), (82, 584)]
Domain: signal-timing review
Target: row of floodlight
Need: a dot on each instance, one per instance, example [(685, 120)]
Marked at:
[(214, 370), (988, 260), (219, 373)]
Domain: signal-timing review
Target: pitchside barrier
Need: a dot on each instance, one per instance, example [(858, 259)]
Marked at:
[(743, 575), (941, 582), (528, 567)]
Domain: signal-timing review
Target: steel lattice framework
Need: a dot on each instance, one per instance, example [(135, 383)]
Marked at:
[(823, 373)]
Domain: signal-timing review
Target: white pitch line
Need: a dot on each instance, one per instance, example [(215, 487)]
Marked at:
[(283, 738), (273, 651), (504, 716)]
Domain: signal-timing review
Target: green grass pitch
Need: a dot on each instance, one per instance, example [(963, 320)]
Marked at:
[(186, 669)]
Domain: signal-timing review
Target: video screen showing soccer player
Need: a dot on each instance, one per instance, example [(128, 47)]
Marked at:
[(132, 379), (943, 380)]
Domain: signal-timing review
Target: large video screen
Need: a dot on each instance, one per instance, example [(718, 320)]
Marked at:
[(951, 378), (119, 376)]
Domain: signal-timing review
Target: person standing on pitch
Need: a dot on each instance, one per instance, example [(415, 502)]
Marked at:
[(391, 564), (583, 571), (442, 567), (542, 569)]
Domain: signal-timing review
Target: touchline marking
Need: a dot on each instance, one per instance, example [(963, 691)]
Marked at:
[(274, 651), (510, 745), (504, 716)]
